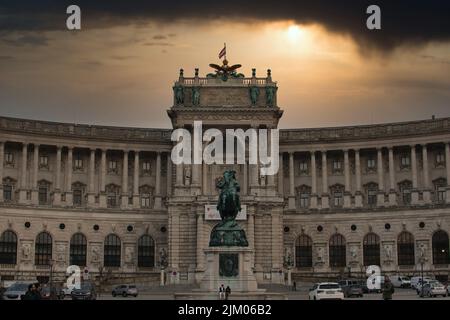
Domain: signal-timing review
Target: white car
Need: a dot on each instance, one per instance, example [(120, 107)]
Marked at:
[(326, 291), (400, 281), (17, 290), (425, 282)]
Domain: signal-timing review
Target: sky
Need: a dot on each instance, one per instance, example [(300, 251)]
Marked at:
[(120, 67)]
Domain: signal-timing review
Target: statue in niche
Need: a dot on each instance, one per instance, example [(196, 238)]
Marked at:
[(388, 251), (179, 94), (320, 254), (163, 258), (196, 96), (187, 175), (26, 251), (270, 96), (254, 94)]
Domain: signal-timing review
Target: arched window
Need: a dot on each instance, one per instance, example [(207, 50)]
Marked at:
[(78, 250), (405, 249), (371, 249), (43, 249), (337, 251), (112, 251), (146, 251), (8, 248), (303, 252), (440, 247)]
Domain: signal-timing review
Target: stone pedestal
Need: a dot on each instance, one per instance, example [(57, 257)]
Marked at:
[(347, 200), (91, 200), (34, 197), (57, 198), (230, 266), (69, 199), (392, 198), (415, 197), (291, 203), (102, 200), (325, 201), (313, 204), (380, 199), (426, 196), (158, 202), (358, 199)]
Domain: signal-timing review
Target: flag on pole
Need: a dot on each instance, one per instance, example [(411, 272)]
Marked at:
[(223, 52)]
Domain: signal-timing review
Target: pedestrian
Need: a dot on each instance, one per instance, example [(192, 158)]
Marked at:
[(388, 289), (32, 293), (227, 292), (221, 292), (294, 286)]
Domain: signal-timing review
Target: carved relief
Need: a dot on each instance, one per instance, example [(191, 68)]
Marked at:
[(26, 251), (129, 255), (95, 254)]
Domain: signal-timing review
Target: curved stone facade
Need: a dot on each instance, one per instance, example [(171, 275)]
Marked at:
[(343, 198)]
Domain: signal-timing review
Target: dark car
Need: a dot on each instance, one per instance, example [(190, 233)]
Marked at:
[(85, 292), (351, 288)]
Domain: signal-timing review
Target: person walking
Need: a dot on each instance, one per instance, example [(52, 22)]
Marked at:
[(388, 289), (221, 292), (227, 292), (32, 293)]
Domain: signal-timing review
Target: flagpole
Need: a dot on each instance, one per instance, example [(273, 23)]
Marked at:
[(225, 46)]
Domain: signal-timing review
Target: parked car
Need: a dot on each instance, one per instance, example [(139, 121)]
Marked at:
[(433, 289), (125, 290), (415, 281), (17, 290), (86, 292), (326, 291), (351, 288), (400, 281), (420, 284), (55, 293)]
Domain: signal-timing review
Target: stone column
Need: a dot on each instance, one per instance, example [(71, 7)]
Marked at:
[(244, 189), (91, 192), (102, 193), (414, 191), (23, 175), (136, 203), (205, 179), (380, 195), (325, 196), (291, 182), (2, 156), (447, 166), (392, 192), (277, 242), (69, 168), (426, 176), (251, 231), (57, 193), (347, 191), (124, 202), (34, 183), (313, 204), (158, 181), (281, 177), (358, 193), (199, 253), (270, 188), (179, 175), (169, 175)]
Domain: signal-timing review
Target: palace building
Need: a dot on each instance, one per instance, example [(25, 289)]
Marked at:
[(109, 199)]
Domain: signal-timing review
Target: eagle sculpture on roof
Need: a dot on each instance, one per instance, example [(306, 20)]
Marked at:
[(225, 71)]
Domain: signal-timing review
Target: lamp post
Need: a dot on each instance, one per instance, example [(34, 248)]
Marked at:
[(422, 261), (51, 262)]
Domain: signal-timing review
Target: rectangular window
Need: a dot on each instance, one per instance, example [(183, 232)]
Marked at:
[(303, 166), (146, 166), (440, 193), (338, 201), (372, 197), (111, 201), (43, 199), (440, 158), (112, 165), (43, 161), (337, 165), (405, 161), (304, 200), (78, 162), (9, 158), (406, 196), (145, 201), (7, 192), (77, 197), (371, 163)]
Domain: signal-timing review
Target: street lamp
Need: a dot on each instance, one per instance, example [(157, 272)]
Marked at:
[(51, 262), (422, 261)]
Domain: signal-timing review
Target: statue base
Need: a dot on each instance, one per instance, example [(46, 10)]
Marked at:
[(230, 266), (228, 234)]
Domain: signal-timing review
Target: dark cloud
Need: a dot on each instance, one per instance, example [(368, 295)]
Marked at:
[(159, 44), (27, 39), (6, 58), (159, 37), (404, 22)]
